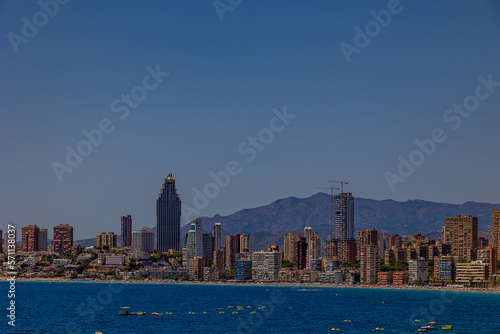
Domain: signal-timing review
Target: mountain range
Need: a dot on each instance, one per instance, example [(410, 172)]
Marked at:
[(267, 224)]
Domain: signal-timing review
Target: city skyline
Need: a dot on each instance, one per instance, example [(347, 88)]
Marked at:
[(253, 99)]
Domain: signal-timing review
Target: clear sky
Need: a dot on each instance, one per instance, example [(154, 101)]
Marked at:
[(74, 70)]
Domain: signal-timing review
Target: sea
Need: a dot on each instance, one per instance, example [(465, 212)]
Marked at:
[(79, 307)]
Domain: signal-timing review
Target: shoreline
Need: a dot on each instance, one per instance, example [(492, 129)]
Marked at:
[(270, 284)]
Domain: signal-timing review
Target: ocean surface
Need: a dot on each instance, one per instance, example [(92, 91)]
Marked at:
[(63, 307)]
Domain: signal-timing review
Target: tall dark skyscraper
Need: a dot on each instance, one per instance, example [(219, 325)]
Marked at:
[(126, 227), (344, 217), (168, 217)]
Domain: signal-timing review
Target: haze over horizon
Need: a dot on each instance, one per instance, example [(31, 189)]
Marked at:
[(266, 95)]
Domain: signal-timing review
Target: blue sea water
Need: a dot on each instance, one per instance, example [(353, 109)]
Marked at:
[(64, 307)]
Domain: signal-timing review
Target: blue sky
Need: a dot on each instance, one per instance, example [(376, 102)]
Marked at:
[(353, 120)]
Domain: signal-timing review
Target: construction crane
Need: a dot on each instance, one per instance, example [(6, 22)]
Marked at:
[(331, 208), (341, 207)]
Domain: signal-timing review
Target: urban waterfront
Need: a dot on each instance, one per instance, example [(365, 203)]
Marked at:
[(64, 307)]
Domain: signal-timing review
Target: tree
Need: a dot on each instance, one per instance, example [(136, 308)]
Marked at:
[(286, 264)]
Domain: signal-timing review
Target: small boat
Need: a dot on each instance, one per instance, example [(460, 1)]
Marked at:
[(169, 313), (346, 320), (253, 312), (235, 312), (96, 332), (379, 329), (420, 330), (416, 320), (429, 327), (141, 313), (230, 307), (156, 313), (124, 313), (249, 306), (222, 312), (335, 329), (447, 327), (205, 312), (191, 313)]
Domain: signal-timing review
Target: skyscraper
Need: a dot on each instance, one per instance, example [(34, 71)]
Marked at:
[(462, 234), (244, 243), (63, 239), (344, 217), (42, 240), (194, 241), (168, 217), (217, 235), (126, 230), (30, 238), (232, 249), (495, 231)]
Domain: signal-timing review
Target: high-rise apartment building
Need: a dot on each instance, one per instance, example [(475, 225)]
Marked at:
[(43, 245), (495, 231), (194, 241), (232, 249), (344, 217), (30, 238), (265, 266), (288, 245), (126, 231), (168, 217), (418, 270), (217, 235), (106, 239), (63, 239), (299, 254), (208, 246), (368, 237), (142, 240), (489, 255), (244, 243), (369, 263), (314, 248), (462, 234)]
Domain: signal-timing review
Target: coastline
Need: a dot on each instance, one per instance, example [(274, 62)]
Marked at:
[(268, 284)]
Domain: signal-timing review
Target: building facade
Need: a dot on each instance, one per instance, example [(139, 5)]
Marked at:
[(30, 238), (265, 266), (168, 217), (369, 264), (126, 231), (418, 271), (217, 235), (63, 239), (462, 234), (495, 231), (142, 240), (106, 239)]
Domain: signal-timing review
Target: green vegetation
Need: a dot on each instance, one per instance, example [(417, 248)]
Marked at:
[(400, 266), (286, 264), (355, 264)]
